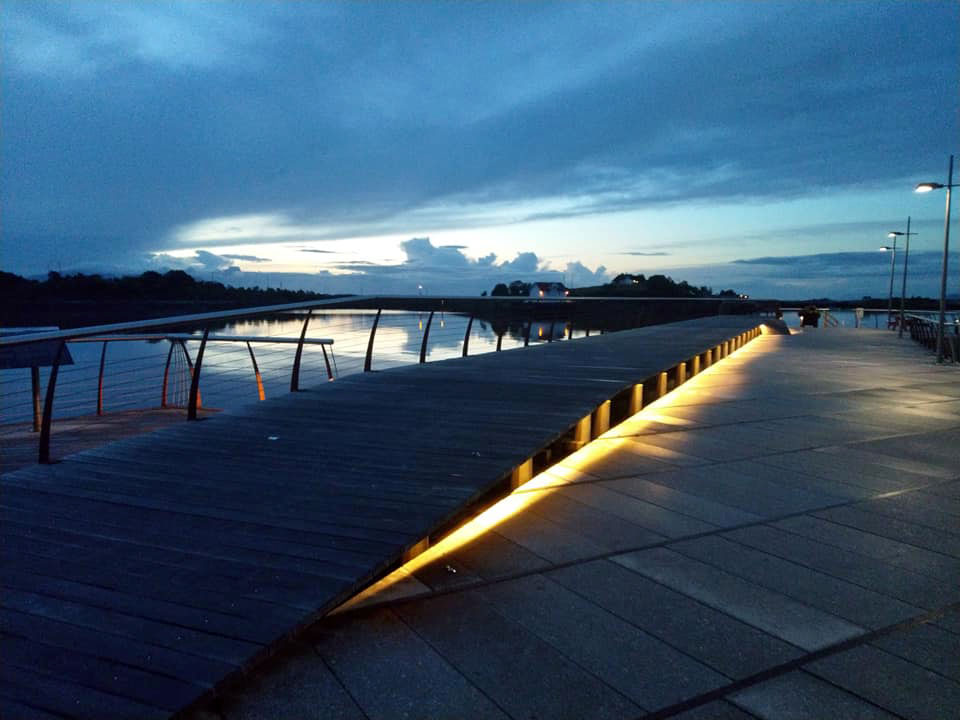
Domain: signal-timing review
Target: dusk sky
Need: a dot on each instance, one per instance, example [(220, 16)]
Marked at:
[(374, 147)]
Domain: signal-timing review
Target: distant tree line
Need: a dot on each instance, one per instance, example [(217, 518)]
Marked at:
[(174, 285), (626, 285), (516, 289)]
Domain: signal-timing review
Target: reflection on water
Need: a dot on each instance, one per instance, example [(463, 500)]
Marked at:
[(134, 371)]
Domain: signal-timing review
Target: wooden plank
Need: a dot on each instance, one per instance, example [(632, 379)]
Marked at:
[(187, 553)]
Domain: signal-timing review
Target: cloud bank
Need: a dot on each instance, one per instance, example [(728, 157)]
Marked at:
[(131, 127)]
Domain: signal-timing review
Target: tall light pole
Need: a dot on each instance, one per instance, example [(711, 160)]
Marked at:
[(893, 260), (906, 259), (927, 187)]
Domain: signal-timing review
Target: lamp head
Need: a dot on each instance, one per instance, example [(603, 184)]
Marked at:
[(894, 233), (885, 248), (927, 187)]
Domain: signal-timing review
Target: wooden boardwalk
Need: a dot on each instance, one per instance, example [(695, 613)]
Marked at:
[(141, 575), (778, 539)]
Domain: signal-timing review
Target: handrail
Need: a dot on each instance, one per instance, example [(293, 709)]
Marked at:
[(928, 331), (604, 313), (211, 338), (351, 302)]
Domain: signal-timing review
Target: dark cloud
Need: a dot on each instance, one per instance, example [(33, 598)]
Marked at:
[(314, 250), (645, 254), (123, 122), (247, 258)]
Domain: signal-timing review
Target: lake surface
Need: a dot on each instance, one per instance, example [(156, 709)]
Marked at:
[(133, 376)]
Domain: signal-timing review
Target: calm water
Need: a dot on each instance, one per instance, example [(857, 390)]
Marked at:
[(133, 376)]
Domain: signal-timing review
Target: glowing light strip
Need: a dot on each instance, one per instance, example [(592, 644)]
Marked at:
[(401, 582)]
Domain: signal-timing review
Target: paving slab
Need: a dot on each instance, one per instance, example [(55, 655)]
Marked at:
[(715, 638), (840, 598), (639, 665), (925, 645), (911, 587), (390, 671), (300, 686), (520, 672), (773, 612), (891, 682), (864, 542), (717, 710), (800, 696), (863, 518)]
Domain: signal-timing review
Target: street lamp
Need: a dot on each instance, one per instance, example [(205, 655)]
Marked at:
[(927, 187), (906, 258), (893, 260)]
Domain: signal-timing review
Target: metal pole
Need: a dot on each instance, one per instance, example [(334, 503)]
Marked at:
[(326, 362), (943, 273), (426, 335), (295, 373), (103, 358), (166, 375), (893, 261), (256, 372), (194, 401), (44, 449), (466, 336), (35, 387), (903, 289), (368, 360)]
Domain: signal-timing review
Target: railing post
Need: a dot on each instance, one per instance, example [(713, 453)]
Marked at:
[(195, 379), (295, 373), (44, 451), (166, 375), (256, 372), (426, 335), (186, 355), (553, 325), (103, 358), (35, 388), (373, 331), (526, 333), (499, 341), (466, 336), (326, 361)]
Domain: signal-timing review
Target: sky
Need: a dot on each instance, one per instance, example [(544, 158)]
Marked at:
[(384, 147)]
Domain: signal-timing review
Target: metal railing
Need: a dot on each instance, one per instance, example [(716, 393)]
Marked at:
[(524, 321), (925, 330)]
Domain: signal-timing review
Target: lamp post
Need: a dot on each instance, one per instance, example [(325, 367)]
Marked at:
[(893, 260), (927, 187), (906, 259)]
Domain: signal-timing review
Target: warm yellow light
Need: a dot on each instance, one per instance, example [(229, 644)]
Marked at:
[(574, 468)]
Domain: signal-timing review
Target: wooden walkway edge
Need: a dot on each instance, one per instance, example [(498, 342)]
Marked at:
[(141, 576)]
